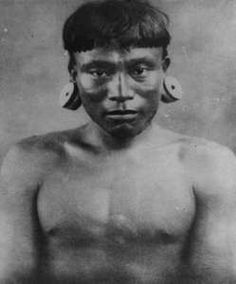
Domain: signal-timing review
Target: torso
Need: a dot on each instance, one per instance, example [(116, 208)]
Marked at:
[(120, 218)]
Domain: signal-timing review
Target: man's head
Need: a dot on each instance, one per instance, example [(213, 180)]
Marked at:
[(118, 53)]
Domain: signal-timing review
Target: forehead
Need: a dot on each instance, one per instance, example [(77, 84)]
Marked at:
[(118, 55)]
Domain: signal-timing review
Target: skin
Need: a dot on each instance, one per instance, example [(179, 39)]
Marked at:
[(118, 200)]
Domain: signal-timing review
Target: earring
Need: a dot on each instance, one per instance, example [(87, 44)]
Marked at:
[(69, 97), (171, 90)]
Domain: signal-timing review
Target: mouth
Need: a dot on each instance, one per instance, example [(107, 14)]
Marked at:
[(122, 114)]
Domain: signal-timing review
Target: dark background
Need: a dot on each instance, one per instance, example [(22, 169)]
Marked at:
[(33, 69)]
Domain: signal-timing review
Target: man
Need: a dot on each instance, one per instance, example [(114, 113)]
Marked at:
[(118, 200)]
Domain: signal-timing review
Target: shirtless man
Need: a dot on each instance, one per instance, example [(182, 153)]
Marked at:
[(118, 200)]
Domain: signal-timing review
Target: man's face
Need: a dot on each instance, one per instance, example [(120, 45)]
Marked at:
[(119, 89)]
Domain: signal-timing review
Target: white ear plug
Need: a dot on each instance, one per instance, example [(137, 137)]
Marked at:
[(171, 90)]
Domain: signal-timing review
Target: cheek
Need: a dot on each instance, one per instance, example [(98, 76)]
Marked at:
[(89, 90), (85, 83), (92, 108), (154, 81), (89, 85), (149, 93), (150, 86)]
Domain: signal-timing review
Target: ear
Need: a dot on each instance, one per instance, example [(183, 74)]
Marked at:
[(73, 75), (165, 63)]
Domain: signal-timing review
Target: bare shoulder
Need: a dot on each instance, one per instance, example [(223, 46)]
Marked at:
[(33, 157), (212, 166), (199, 151)]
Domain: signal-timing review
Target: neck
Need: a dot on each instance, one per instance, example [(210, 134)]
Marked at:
[(108, 142)]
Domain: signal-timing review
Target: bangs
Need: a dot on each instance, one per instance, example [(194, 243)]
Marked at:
[(116, 23)]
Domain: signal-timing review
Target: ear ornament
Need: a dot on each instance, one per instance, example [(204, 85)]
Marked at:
[(171, 90), (69, 97)]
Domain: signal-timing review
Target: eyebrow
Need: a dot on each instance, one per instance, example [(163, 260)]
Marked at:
[(98, 63), (111, 65), (146, 60)]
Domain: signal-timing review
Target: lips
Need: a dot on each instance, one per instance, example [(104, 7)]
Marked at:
[(127, 114), (122, 112)]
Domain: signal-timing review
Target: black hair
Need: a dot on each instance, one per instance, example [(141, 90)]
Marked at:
[(123, 23)]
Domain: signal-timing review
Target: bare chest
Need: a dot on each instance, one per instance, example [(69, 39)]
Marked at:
[(116, 204)]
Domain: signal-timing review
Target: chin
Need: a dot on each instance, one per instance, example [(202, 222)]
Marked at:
[(125, 131)]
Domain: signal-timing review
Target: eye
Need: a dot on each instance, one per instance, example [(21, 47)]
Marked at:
[(139, 70), (99, 73)]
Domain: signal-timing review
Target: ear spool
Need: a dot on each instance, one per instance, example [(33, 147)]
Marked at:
[(171, 90), (69, 97)]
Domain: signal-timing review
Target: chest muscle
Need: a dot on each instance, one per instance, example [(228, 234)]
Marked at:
[(142, 204)]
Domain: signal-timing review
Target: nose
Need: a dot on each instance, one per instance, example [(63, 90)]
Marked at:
[(119, 89)]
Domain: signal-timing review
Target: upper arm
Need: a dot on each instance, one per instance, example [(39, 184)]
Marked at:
[(213, 247), (18, 215)]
